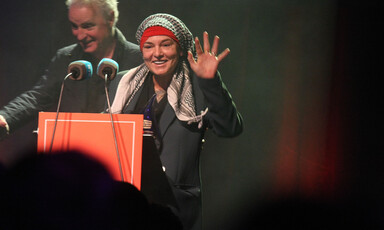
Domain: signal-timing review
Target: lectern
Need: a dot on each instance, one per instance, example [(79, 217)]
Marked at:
[(92, 134)]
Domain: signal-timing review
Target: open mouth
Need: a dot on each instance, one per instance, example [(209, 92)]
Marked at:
[(159, 62)]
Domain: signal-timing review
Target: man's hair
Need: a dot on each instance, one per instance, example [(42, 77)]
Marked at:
[(106, 6)]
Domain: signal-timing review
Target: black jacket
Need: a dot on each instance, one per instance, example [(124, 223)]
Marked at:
[(182, 143), (78, 96)]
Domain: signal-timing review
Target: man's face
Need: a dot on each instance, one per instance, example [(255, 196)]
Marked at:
[(90, 28)]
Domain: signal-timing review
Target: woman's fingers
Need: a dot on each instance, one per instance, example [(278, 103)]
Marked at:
[(207, 46), (215, 45), (223, 54), (199, 50)]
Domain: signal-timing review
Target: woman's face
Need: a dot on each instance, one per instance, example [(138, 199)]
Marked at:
[(161, 54)]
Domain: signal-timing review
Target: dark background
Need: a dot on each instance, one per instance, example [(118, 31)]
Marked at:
[(304, 75)]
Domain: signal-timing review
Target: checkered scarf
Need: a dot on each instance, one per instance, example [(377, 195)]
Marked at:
[(180, 93)]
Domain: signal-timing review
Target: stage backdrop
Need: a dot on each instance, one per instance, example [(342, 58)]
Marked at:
[(302, 73)]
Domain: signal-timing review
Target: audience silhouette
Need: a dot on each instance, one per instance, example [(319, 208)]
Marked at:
[(68, 190)]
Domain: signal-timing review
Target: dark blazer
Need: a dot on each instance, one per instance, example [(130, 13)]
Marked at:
[(78, 96), (182, 143)]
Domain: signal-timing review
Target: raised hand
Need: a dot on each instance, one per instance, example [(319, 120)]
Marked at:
[(207, 61)]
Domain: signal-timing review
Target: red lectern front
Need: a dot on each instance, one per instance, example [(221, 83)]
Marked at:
[(92, 134)]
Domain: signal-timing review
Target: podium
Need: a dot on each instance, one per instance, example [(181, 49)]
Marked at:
[(92, 134)]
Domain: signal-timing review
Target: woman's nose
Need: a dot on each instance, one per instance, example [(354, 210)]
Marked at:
[(158, 52)]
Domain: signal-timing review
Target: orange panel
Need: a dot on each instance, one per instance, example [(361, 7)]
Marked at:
[(92, 134)]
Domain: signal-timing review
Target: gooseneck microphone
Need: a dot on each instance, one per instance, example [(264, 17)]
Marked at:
[(77, 70), (107, 69)]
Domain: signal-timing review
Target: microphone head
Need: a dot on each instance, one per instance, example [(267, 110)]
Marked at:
[(107, 67), (80, 70)]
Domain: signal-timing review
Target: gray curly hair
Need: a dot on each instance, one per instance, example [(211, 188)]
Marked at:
[(106, 6)]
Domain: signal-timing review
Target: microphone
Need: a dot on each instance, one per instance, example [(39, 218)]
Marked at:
[(79, 70), (107, 68)]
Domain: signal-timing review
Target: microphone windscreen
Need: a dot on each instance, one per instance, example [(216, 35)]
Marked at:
[(80, 70), (107, 67)]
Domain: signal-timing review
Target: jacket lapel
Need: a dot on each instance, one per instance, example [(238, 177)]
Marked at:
[(131, 106), (166, 119)]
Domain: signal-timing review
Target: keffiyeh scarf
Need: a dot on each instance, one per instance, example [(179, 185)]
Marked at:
[(180, 93), (172, 23)]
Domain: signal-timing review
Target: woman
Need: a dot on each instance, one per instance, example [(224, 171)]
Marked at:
[(188, 96)]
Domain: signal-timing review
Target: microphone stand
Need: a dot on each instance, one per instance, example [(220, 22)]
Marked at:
[(57, 111), (113, 128)]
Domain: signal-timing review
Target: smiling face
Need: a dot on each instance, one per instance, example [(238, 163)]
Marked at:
[(161, 54), (92, 31)]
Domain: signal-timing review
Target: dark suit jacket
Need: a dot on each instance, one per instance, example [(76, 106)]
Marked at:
[(182, 143), (78, 96)]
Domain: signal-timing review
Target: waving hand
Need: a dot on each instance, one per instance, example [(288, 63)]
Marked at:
[(207, 62)]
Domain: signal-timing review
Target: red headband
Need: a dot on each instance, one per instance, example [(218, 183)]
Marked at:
[(154, 31)]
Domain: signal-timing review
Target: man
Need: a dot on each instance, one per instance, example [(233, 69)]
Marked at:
[(94, 26)]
